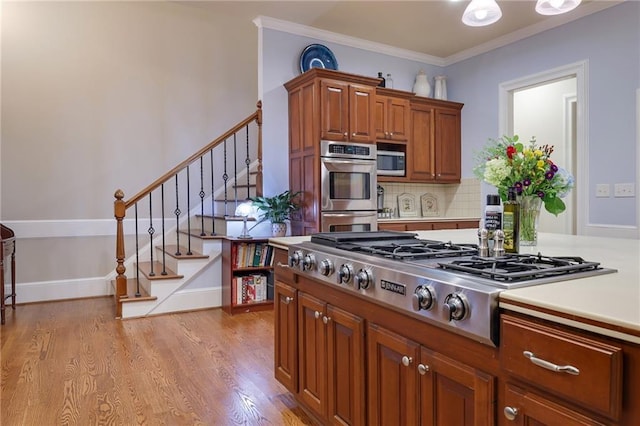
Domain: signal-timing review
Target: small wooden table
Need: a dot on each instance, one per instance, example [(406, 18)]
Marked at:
[(7, 247)]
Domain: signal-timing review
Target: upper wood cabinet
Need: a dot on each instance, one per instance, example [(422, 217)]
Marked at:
[(346, 111), (392, 115), (433, 151)]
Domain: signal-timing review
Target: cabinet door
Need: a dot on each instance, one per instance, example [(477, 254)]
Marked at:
[(286, 336), (526, 408), (346, 367), (420, 149), (361, 113), (392, 374), (398, 119), (334, 104), (312, 350), (452, 393), (447, 145)]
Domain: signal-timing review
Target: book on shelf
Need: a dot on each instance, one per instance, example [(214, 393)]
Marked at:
[(247, 255), (249, 289)]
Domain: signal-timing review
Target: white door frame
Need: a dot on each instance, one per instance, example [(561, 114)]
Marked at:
[(505, 124)]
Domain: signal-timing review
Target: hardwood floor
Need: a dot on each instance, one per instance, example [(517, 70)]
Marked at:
[(72, 363)]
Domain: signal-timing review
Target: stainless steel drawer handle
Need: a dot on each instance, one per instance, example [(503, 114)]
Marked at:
[(283, 265), (569, 369)]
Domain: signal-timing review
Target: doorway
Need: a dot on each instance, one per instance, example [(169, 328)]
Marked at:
[(550, 107)]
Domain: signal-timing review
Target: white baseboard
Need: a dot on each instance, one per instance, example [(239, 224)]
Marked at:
[(45, 291)]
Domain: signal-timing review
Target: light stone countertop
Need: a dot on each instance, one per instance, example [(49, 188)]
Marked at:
[(426, 219), (607, 304)]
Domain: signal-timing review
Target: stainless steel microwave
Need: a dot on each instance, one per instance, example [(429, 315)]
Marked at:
[(391, 163)]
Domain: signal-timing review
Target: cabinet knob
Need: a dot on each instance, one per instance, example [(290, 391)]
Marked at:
[(345, 134), (423, 369), (510, 413), (326, 319), (391, 134), (288, 300), (353, 134), (317, 314), (386, 133), (406, 360), (282, 265)]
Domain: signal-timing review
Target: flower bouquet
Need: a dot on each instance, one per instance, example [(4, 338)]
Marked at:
[(506, 163)]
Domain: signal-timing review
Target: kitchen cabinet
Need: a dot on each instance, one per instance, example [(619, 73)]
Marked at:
[(331, 359), (247, 275), (433, 151), (554, 373), (286, 336), (392, 110), (410, 384), (346, 111), (427, 225), (323, 104)]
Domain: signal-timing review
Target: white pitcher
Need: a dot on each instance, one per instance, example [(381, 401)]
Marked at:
[(422, 86)]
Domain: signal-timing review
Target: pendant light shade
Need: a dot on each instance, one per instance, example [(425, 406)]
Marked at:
[(482, 12), (556, 7)]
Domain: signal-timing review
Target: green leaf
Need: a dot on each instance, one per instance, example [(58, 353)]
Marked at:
[(554, 205)]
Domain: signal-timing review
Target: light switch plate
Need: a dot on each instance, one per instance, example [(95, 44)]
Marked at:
[(602, 190), (624, 190)]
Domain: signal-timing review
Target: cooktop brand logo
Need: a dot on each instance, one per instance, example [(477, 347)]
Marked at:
[(393, 287)]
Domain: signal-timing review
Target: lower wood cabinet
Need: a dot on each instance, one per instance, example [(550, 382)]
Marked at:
[(286, 335), (410, 384), (428, 226)]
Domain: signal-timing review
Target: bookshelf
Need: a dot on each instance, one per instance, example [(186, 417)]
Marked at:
[(247, 275)]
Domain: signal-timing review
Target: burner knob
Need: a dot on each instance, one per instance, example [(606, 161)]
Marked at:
[(325, 267), (364, 278), (423, 298), (345, 274), (295, 258), (456, 306), (308, 262)]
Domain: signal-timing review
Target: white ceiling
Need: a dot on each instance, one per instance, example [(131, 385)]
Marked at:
[(427, 27)]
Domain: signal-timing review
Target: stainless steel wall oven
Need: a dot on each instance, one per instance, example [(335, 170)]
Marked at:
[(348, 186)]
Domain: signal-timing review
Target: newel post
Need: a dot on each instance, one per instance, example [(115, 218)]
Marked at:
[(119, 211), (259, 171)]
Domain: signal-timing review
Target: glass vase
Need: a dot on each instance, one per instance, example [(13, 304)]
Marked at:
[(529, 216)]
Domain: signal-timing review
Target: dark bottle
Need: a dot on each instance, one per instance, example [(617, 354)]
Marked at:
[(511, 223), (383, 82)]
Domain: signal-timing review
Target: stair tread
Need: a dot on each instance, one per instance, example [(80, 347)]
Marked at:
[(172, 249), (145, 268), (240, 185), (195, 233), (227, 217), (131, 293)]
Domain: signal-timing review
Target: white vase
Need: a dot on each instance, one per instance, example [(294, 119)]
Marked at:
[(440, 91), (422, 86)]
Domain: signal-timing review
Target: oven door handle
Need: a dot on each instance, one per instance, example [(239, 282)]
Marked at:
[(350, 214), (348, 161)]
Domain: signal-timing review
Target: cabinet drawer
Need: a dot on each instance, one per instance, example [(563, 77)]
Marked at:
[(589, 372), (281, 265)]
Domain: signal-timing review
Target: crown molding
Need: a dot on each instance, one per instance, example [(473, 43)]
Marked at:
[(303, 30), (328, 36)]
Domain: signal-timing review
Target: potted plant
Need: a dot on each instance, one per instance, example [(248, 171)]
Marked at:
[(277, 210)]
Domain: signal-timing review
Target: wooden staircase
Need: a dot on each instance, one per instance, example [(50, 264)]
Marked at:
[(184, 216)]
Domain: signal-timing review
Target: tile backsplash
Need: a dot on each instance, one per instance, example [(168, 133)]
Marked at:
[(453, 200)]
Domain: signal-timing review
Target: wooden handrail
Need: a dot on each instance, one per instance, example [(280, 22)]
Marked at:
[(256, 116)]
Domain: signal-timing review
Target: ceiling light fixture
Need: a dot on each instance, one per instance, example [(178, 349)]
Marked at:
[(482, 12), (556, 7)]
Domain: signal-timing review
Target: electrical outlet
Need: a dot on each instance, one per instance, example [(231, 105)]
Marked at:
[(602, 190), (624, 190)]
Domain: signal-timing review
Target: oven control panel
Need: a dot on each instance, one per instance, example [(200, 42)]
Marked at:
[(433, 295)]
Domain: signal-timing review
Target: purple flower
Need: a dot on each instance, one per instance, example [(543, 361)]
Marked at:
[(549, 175), (526, 182), (518, 187), (540, 194), (554, 168)]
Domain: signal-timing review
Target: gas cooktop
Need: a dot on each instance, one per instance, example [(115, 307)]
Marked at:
[(444, 283)]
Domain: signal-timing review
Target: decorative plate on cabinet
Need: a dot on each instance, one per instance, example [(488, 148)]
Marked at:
[(317, 56), (407, 205)]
